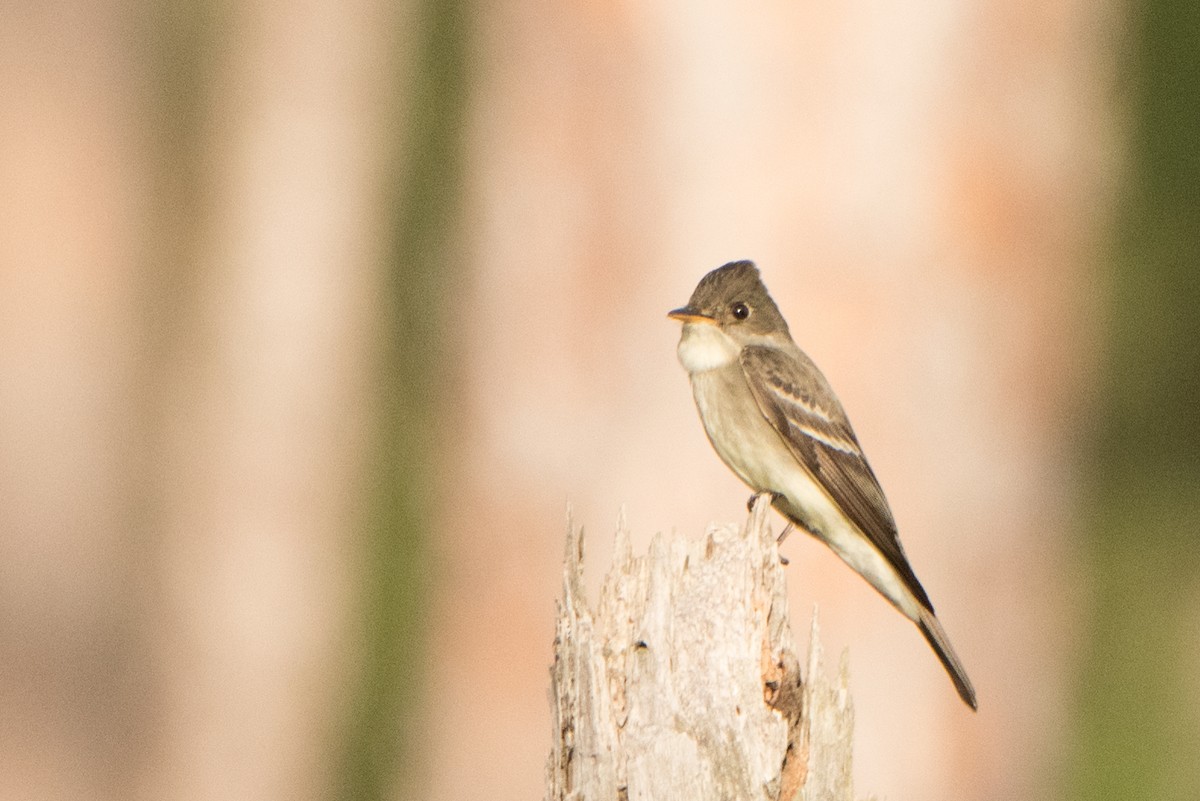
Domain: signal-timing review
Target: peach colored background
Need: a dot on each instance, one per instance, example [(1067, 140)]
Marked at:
[(919, 189), (921, 186)]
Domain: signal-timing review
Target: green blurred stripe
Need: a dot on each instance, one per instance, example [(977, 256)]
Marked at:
[(173, 52), (1138, 724), (381, 748)]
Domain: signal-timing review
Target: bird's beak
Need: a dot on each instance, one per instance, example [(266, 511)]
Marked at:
[(689, 315)]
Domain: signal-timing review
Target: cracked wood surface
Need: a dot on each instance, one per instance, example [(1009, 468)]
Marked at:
[(683, 682)]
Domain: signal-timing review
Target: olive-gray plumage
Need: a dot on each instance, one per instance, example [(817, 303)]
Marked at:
[(774, 420)]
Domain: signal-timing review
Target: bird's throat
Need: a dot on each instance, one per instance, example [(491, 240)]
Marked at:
[(704, 347)]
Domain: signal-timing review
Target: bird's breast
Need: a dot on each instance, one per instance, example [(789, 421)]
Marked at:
[(739, 433)]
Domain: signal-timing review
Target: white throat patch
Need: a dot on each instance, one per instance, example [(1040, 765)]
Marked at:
[(704, 347)]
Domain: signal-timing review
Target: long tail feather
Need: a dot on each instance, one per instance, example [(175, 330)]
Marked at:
[(937, 638)]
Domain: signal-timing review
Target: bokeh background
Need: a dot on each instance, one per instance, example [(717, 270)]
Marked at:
[(314, 319)]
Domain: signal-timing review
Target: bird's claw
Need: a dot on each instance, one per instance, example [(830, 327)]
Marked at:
[(772, 496)]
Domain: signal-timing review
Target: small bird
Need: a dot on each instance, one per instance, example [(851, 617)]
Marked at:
[(773, 419)]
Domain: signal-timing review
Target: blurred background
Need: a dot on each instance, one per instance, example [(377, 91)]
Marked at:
[(314, 319)]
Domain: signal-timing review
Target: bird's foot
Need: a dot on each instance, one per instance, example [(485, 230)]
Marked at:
[(771, 498)]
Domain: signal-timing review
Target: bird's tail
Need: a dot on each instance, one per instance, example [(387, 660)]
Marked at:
[(936, 635)]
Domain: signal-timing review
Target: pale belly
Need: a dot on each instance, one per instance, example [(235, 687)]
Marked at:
[(754, 450)]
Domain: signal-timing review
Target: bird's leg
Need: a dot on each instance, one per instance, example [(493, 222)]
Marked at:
[(783, 560), (773, 496)]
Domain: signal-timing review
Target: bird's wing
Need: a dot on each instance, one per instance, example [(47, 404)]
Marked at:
[(795, 398)]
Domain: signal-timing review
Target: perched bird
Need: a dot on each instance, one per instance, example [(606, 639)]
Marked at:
[(773, 419)]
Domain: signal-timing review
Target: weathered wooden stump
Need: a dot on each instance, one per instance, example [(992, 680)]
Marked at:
[(684, 682)]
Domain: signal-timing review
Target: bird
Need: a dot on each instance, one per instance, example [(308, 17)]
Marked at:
[(774, 420)]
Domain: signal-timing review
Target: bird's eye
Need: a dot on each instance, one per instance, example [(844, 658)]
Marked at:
[(740, 311)]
